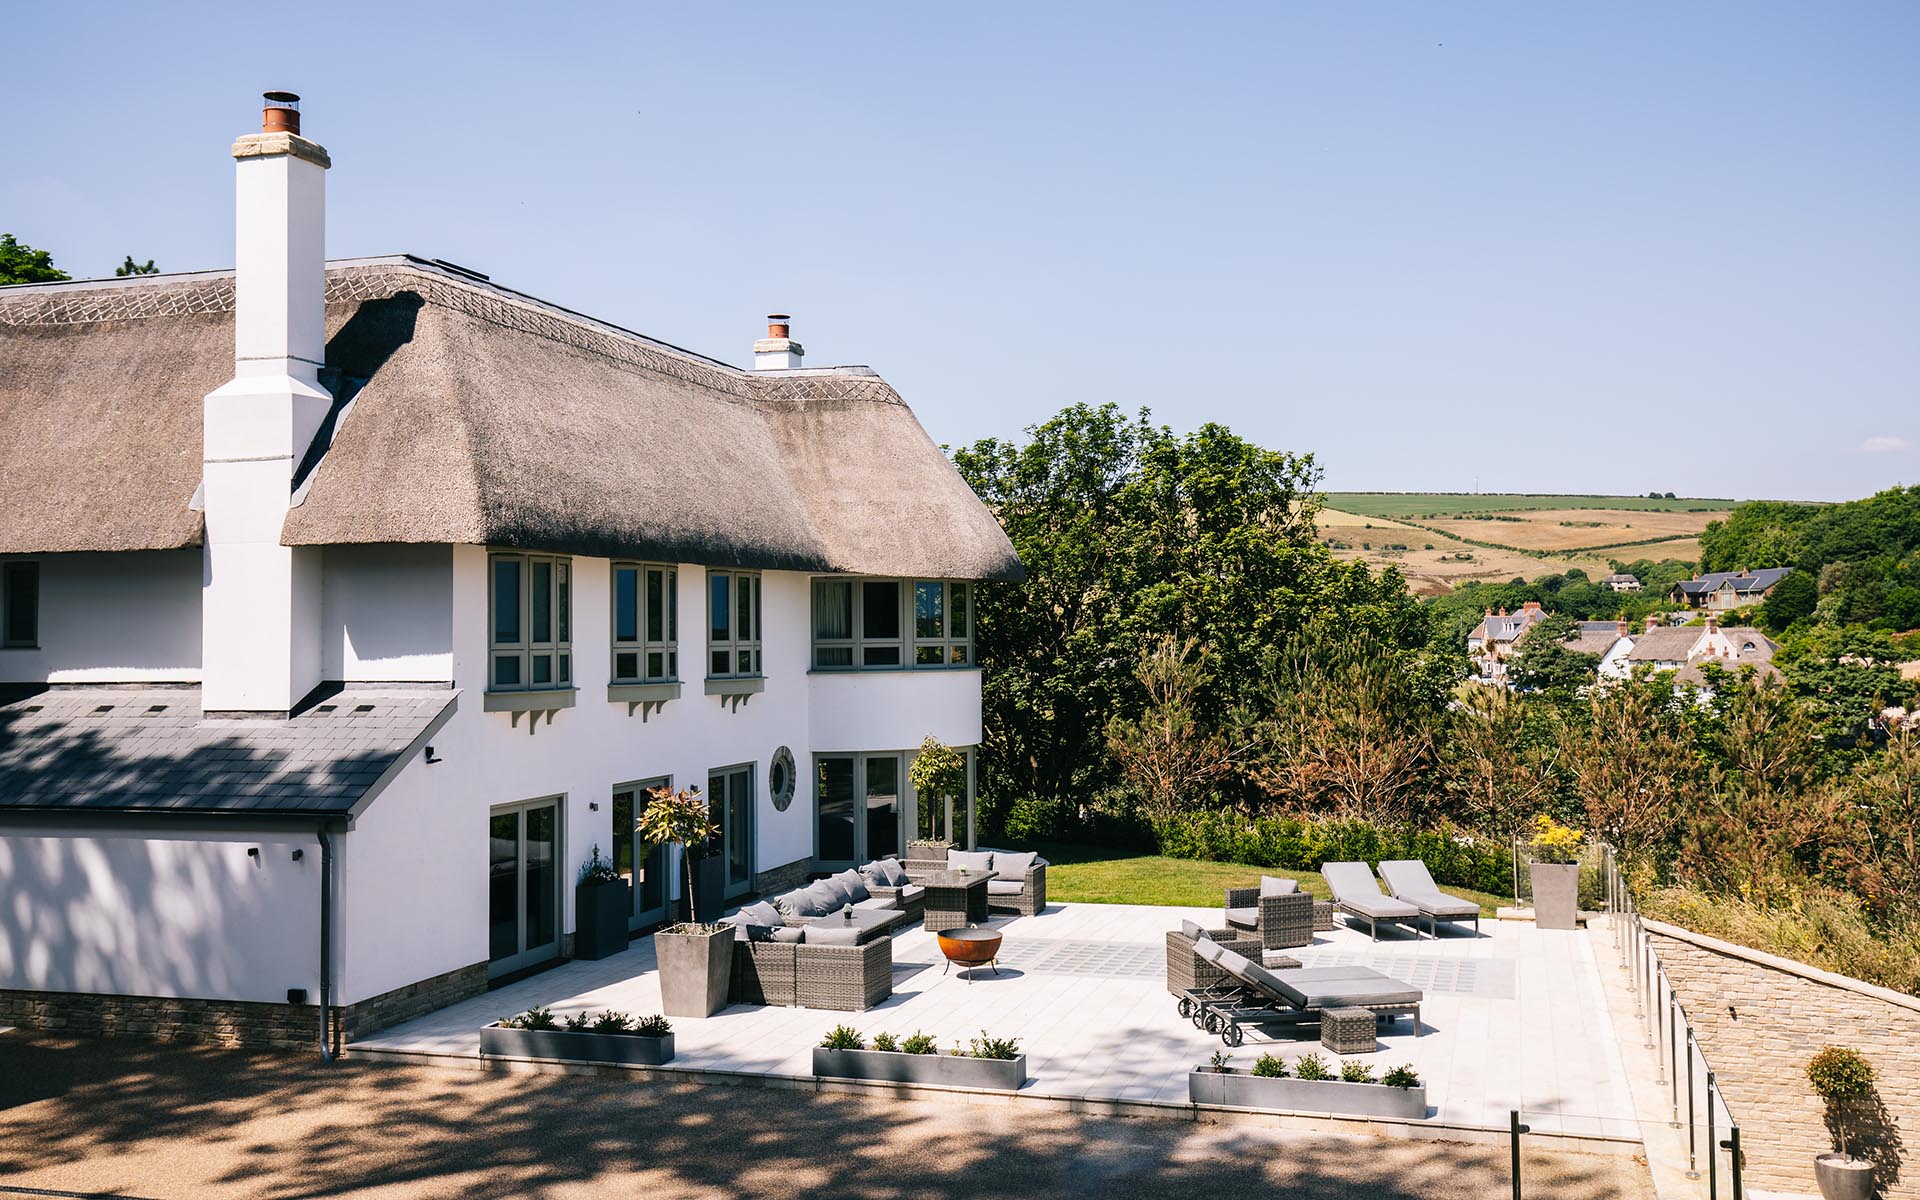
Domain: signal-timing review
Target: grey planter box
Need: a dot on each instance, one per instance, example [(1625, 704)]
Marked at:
[(1241, 1089), (944, 1070), (600, 918), (695, 969), (1556, 895), (563, 1045)]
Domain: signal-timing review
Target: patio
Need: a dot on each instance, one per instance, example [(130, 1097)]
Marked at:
[(1514, 1019)]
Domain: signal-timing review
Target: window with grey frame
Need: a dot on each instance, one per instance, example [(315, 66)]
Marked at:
[(882, 624), (19, 604), (733, 624), (530, 606), (646, 623)]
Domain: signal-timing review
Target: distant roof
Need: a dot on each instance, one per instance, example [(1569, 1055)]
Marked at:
[(1595, 637), (111, 750), (1621, 577), (469, 413), (1667, 643), (1743, 581), (1751, 649), (1507, 627)]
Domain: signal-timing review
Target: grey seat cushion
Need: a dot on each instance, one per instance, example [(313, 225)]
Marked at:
[(872, 903), (1270, 886), (1005, 887), (1012, 864), (1408, 879), (970, 860), (1244, 918), (911, 891), (832, 935), (1384, 907), (1438, 904)]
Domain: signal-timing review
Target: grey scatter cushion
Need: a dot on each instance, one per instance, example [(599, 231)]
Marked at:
[(1012, 864), (1192, 930), (970, 860), (763, 913), (788, 903), (827, 895), (896, 872), (856, 886), (789, 933), (802, 902), (828, 934), (874, 875), (1269, 886)]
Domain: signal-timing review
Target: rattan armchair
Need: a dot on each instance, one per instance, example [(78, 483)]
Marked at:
[(1279, 922)]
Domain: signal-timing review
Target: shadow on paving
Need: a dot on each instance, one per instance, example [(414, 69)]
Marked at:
[(162, 1121)]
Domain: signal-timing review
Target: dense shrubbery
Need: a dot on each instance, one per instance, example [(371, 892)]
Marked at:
[(1297, 843)]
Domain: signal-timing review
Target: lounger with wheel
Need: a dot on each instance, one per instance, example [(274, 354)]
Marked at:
[(1357, 894), (1408, 879), (1260, 999)]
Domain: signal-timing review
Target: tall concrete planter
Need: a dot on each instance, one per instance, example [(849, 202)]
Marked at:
[(600, 911), (1242, 1089), (943, 1070), (696, 965), (1556, 895)]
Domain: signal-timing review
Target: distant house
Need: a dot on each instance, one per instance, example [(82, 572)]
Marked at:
[(1724, 591), (1620, 581), (1689, 648), (1491, 643)]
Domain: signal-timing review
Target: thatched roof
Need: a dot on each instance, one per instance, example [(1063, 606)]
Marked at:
[(472, 414)]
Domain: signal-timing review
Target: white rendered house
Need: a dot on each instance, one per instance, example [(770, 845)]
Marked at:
[(348, 606)]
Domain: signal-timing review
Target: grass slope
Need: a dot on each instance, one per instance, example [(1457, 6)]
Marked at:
[(1098, 875)]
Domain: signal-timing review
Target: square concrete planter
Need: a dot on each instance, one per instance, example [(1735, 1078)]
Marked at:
[(600, 918), (1241, 1089), (1556, 895), (563, 1045), (695, 968), (942, 1070)]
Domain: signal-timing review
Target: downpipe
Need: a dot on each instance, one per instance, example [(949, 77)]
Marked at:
[(326, 945)]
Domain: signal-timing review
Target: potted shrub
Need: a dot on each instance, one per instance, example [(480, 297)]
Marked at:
[(601, 902), (696, 959), (607, 1037), (937, 773), (1310, 1084), (986, 1062), (1555, 872), (1843, 1079)]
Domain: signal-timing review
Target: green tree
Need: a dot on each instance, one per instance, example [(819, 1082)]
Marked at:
[(21, 263), (1792, 599), (130, 267), (1165, 753), (1545, 662)]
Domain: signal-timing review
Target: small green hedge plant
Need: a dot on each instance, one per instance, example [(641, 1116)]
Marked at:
[(843, 1037), (1005, 1049), (919, 1043), (1356, 1072), (1270, 1066), (1312, 1066), (886, 1043), (1402, 1076), (533, 1018)]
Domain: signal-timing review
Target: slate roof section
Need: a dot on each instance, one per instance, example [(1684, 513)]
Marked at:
[(112, 750), (1746, 583)]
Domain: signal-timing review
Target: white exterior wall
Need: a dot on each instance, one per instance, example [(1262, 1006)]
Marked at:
[(114, 618), (386, 614), (422, 846), (147, 914)]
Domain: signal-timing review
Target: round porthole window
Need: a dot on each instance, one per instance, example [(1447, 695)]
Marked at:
[(780, 778)]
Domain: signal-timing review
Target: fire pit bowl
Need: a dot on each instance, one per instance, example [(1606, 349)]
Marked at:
[(970, 948)]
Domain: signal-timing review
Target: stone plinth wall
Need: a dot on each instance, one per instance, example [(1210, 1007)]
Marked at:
[(232, 1022), (782, 878), (1759, 1018)]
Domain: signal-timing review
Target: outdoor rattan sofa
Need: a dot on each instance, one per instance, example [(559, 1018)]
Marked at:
[(1275, 912), (846, 978), (1023, 888), (1262, 998), (1187, 971), (1357, 894), (1409, 880)]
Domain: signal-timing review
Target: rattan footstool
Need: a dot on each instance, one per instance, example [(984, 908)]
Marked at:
[(1348, 1030)]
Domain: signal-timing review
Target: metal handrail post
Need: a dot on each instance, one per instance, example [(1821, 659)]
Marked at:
[(1660, 981), (1733, 1150), (1693, 1164), (1514, 1130), (1673, 1048), (1713, 1147)]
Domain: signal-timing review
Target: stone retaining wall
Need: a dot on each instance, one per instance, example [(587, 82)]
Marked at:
[(232, 1022), (1759, 1018)]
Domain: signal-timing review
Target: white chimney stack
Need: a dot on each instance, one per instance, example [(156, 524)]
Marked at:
[(260, 634), (777, 351)]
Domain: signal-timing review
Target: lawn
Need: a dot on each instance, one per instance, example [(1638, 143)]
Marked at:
[(1098, 875)]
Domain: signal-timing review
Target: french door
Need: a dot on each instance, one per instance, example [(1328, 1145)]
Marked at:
[(523, 885), (643, 866), (730, 806), (857, 808)]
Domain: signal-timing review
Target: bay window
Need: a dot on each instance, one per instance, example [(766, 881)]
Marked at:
[(880, 624)]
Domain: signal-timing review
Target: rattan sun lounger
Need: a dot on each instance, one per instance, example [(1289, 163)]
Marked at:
[(1408, 879), (1260, 998), (1356, 893)]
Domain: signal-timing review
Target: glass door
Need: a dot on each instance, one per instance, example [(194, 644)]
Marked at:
[(730, 803), (881, 829), (644, 867), (523, 885), (857, 809), (833, 847)]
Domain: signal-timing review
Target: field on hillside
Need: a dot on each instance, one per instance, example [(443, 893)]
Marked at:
[(1441, 504), (1439, 541)]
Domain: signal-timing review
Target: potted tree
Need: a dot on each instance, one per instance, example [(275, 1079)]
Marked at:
[(1842, 1078), (696, 959), (1555, 872), (601, 902), (939, 772)]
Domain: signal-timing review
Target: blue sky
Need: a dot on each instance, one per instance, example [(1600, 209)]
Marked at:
[(1601, 248)]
